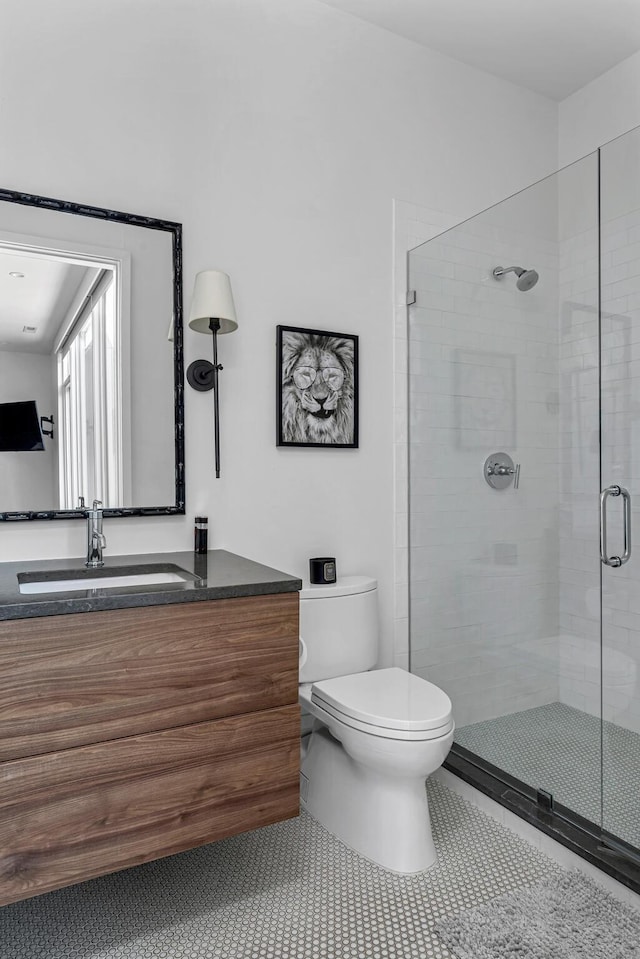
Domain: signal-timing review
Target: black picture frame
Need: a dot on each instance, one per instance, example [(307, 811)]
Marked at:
[(323, 414)]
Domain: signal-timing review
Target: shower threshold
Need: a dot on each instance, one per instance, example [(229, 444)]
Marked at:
[(556, 749)]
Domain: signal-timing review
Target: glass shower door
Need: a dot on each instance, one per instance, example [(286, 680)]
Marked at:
[(524, 595), (504, 576), (620, 484)]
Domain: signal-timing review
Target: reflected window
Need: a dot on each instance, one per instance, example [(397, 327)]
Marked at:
[(89, 400)]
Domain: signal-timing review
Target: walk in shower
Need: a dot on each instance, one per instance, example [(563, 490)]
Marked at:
[(524, 485)]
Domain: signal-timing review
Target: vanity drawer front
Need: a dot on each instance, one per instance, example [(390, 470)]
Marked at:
[(79, 813), (71, 680)]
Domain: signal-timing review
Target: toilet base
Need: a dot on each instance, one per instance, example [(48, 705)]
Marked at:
[(384, 818)]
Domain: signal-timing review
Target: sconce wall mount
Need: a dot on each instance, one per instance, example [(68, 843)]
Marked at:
[(212, 312), (50, 421)]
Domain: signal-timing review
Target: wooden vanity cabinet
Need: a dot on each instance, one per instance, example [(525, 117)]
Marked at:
[(132, 734)]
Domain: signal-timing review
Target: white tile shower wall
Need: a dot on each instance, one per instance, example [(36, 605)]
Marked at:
[(482, 378), (461, 607), (578, 650), (621, 460), (602, 110), (581, 663), (620, 337)]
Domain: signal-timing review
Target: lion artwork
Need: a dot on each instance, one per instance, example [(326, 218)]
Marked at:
[(317, 388)]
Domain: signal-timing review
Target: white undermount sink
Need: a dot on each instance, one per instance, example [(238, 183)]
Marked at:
[(103, 581)]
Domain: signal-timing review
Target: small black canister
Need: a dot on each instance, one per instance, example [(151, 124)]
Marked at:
[(201, 534), (322, 570)]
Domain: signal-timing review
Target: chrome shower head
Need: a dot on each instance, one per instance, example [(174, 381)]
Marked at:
[(526, 278)]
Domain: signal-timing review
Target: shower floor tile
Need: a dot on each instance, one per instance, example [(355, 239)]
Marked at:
[(289, 891), (558, 748)]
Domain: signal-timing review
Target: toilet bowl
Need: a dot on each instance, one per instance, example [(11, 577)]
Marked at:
[(377, 734)]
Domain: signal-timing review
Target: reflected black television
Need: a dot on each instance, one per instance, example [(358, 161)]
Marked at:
[(20, 427)]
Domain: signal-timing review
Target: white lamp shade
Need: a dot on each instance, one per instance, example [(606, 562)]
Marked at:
[(212, 299)]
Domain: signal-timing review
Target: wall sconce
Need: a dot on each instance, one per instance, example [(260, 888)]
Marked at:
[(212, 312)]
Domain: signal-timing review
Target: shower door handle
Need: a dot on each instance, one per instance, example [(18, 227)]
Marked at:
[(615, 561)]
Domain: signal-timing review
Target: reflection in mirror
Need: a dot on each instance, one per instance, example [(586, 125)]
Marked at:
[(90, 380), (20, 427)]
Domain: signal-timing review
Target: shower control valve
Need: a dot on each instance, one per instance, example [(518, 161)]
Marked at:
[(500, 471)]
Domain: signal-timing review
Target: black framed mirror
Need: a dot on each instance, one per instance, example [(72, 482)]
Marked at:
[(91, 361)]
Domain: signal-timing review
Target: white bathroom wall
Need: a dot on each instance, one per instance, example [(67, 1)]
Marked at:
[(603, 109), (278, 132), (483, 376)]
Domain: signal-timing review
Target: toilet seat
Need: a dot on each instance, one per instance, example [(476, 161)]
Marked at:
[(390, 703)]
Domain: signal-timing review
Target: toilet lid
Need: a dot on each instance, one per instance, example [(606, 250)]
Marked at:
[(344, 586), (388, 698)]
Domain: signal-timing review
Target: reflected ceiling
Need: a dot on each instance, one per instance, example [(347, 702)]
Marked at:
[(35, 294)]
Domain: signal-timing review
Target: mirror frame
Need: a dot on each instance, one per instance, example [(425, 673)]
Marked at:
[(150, 223)]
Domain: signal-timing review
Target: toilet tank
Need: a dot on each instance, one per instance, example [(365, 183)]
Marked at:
[(338, 628)]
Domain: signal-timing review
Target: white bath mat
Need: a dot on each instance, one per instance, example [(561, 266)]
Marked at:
[(564, 917)]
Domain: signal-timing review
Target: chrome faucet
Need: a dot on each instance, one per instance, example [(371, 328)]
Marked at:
[(95, 539)]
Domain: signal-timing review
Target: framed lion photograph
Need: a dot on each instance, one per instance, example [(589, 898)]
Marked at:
[(317, 388)]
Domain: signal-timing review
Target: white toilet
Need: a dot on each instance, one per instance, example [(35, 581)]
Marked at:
[(376, 735)]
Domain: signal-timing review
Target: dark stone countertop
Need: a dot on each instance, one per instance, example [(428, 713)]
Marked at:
[(214, 575)]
